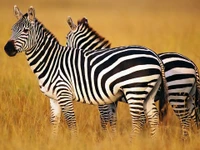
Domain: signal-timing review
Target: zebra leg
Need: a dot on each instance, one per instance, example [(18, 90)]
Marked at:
[(152, 115), (192, 110), (191, 105), (136, 111), (69, 115), (65, 102), (55, 116), (108, 115), (113, 116), (179, 106), (150, 109), (104, 115)]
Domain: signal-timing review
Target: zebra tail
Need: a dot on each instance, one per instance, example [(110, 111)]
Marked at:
[(163, 102)]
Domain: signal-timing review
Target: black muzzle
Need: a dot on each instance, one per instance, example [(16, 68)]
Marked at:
[(10, 48)]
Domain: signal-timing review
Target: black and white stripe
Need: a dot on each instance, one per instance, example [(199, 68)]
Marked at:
[(181, 74), (93, 77)]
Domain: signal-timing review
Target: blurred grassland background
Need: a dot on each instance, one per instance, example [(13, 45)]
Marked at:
[(172, 25)]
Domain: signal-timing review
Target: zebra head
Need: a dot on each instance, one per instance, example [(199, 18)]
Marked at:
[(83, 36), (23, 32)]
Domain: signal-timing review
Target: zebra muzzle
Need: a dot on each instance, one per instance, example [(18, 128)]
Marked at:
[(10, 48)]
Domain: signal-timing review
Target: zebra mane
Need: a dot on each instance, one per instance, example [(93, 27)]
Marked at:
[(48, 32), (84, 23)]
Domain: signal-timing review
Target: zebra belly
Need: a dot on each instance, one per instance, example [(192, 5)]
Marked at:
[(105, 100)]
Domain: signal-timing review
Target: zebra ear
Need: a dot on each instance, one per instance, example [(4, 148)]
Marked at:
[(71, 23), (83, 21), (17, 12), (31, 13)]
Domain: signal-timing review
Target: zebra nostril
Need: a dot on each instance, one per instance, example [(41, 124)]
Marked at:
[(10, 48)]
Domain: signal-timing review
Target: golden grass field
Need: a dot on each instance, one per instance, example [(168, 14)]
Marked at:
[(24, 111)]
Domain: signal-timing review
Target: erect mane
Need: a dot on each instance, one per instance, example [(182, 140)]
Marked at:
[(42, 26), (83, 22)]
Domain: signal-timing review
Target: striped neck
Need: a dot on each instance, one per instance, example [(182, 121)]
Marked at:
[(85, 37), (44, 51)]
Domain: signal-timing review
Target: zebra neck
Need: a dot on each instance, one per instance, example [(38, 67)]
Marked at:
[(43, 54)]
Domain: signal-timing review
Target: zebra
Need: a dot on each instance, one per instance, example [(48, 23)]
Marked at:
[(85, 37), (88, 38), (181, 73), (66, 74)]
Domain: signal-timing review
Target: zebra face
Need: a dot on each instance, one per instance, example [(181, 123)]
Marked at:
[(23, 33), (76, 31)]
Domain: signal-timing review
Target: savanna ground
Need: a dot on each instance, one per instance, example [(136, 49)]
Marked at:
[(24, 111)]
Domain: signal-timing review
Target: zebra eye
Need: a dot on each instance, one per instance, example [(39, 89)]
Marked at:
[(25, 30)]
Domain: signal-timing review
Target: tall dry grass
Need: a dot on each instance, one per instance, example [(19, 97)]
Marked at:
[(24, 111)]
